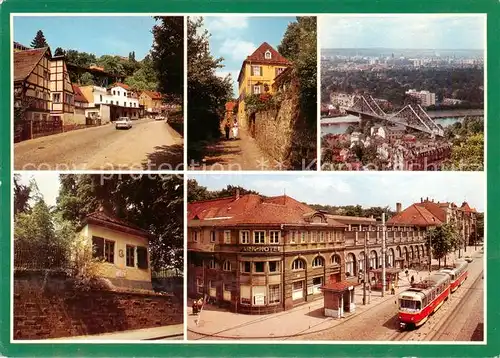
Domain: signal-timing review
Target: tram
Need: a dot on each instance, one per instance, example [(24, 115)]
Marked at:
[(424, 298), (458, 274)]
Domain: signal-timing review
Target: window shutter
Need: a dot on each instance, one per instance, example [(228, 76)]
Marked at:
[(260, 71), (98, 247), (142, 257)]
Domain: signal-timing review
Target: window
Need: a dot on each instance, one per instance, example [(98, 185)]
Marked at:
[(274, 266), (317, 283), (114, 93), (293, 235), (103, 249), (274, 237), (46, 75), (199, 285), (321, 236), (267, 55), (245, 294), (256, 89), (44, 117), (302, 237), (335, 260), (277, 71), (227, 236), (318, 262), (195, 235), (111, 102), (245, 266), (212, 236), (56, 97), (349, 264), (142, 257), (258, 266), (227, 265), (130, 256), (298, 264), (130, 104), (212, 264), (124, 104), (256, 71), (274, 293), (313, 236), (330, 236), (259, 237), (100, 98), (244, 237)]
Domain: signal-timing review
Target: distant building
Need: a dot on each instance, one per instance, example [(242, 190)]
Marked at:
[(425, 98), (152, 102), (342, 100)]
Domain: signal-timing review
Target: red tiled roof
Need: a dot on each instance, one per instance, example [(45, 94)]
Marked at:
[(26, 61), (465, 207), (153, 94), (122, 85), (435, 209), (79, 97), (417, 215), (258, 57), (353, 219), (339, 286), (252, 209), (102, 216)]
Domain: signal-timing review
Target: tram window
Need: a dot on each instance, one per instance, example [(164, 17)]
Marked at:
[(419, 306), (407, 304)]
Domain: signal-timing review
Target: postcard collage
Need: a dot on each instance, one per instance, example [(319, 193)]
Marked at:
[(249, 178)]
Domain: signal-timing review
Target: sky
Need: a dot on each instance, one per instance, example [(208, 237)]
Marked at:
[(47, 182), (403, 31), (236, 37), (366, 189), (106, 35)]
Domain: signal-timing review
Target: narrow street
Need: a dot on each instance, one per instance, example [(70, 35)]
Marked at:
[(149, 144), (242, 153)]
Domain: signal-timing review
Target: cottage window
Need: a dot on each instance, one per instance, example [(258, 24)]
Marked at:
[(227, 237), (130, 256), (318, 262), (195, 235), (274, 237), (109, 251), (227, 265), (56, 97), (298, 264), (259, 237), (256, 89), (258, 266), (245, 266), (267, 55), (256, 71), (274, 266), (142, 257), (244, 237), (274, 293)]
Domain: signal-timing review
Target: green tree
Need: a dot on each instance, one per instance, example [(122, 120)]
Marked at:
[(39, 41), (207, 92), (131, 56), (59, 52), (167, 54), (22, 195), (480, 226), (468, 155), (86, 79), (442, 240), (111, 64), (144, 79)]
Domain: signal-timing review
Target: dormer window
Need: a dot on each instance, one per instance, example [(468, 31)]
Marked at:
[(267, 55)]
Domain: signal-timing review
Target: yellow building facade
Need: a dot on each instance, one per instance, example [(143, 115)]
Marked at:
[(257, 75), (122, 249)]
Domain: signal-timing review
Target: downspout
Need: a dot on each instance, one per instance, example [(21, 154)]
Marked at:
[(283, 273)]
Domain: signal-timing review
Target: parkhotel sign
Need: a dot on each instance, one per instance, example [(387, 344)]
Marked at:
[(260, 249)]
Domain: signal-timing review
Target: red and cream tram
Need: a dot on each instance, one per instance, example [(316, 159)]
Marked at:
[(458, 274), (422, 299)]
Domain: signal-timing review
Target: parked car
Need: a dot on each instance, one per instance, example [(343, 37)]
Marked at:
[(159, 118), (123, 122), (468, 259)]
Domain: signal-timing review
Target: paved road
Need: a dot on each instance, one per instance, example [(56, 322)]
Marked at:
[(148, 144)]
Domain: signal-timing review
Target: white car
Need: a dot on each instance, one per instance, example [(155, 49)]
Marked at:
[(123, 122)]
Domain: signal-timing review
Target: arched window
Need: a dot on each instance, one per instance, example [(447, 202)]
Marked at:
[(268, 55), (335, 260), (390, 258), (318, 262), (373, 259), (212, 264), (298, 264), (361, 262), (227, 265), (350, 264)]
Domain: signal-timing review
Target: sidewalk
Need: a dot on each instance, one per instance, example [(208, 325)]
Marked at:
[(304, 319), (172, 332)]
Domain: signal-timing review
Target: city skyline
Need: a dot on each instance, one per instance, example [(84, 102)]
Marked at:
[(348, 188), (410, 31)]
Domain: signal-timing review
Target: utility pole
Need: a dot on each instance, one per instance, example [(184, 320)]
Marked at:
[(384, 230), (430, 254), (364, 270)]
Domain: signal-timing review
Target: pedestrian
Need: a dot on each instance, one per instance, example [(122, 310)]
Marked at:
[(235, 129), (412, 280), (393, 289), (406, 272), (195, 307), (226, 129)]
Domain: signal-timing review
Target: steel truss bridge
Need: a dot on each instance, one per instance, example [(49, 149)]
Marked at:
[(413, 117)]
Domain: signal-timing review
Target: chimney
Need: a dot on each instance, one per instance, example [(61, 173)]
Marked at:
[(421, 199), (398, 207), (237, 194)]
